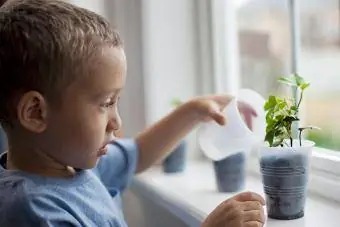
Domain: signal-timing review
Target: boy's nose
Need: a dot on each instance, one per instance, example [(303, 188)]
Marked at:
[(114, 124)]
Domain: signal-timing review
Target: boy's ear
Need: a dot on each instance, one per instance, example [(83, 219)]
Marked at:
[(32, 111)]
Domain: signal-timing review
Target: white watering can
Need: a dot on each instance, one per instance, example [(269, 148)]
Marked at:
[(218, 142)]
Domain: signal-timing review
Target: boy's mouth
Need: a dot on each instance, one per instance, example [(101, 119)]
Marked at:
[(104, 149)]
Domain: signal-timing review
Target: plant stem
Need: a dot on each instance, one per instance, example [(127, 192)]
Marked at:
[(300, 135), (301, 96), (300, 131), (289, 129)]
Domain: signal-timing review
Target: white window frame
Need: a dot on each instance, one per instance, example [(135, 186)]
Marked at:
[(223, 76)]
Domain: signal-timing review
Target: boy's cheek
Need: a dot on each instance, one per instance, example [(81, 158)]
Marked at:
[(119, 133)]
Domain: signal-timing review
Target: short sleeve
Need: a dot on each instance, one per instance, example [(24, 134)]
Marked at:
[(118, 166)]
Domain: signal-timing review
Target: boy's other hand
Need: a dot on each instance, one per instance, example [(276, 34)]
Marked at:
[(242, 210)]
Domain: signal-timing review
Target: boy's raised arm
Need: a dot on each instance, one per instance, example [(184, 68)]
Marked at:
[(160, 138)]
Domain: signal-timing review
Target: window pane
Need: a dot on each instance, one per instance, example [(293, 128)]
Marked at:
[(320, 64), (264, 44)]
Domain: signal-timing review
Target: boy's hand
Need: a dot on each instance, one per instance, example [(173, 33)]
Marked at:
[(211, 107), (243, 210)]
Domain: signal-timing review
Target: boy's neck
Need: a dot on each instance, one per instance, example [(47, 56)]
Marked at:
[(37, 162)]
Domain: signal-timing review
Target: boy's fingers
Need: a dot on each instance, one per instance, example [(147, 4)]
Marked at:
[(254, 215), (218, 117), (249, 196), (251, 205), (253, 224), (222, 99)]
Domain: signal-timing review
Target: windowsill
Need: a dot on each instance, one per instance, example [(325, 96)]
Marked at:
[(192, 195), (326, 160)]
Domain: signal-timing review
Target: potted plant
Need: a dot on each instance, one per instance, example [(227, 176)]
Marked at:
[(175, 161), (284, 160), (230, 173)]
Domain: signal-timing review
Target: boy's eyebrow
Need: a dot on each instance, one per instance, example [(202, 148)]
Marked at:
[(108, 92)]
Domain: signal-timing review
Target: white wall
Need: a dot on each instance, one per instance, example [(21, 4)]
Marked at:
[(170, 59), (97, 6), (169, 54)]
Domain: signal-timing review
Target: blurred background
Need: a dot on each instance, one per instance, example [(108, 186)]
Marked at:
[(264, 33), (178, 49)]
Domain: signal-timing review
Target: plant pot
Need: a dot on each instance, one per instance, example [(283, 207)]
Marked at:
[(175, 162), (285, 173), (3, 141), (230, 173)]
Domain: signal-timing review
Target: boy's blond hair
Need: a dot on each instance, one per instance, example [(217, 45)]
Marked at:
[(44, 46)]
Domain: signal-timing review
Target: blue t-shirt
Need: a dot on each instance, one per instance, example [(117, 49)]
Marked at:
[(90, 198), (3, 141)]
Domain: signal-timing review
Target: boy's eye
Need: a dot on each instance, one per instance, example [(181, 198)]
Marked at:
[(109, 103)]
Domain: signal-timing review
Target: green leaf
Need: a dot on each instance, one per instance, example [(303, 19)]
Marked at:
[(269, 117), (279, 118), (279, 100), (271, 103), (283, 112), (288, 81), (304, 86), (270, 137), (278, 125), (294, 80), (298, 79), (292, 112), (280, 136), (294, 108), (282, 105), (290, 119), (270, 121), (277, 142)]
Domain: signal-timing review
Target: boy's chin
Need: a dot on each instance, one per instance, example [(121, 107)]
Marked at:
[(90, 165)]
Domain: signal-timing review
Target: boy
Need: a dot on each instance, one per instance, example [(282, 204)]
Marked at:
[(62, 69)]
